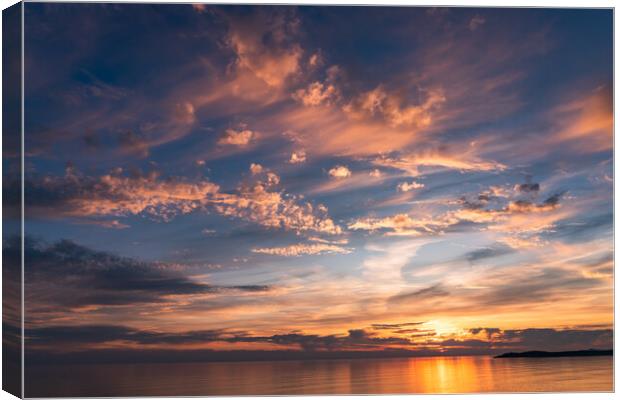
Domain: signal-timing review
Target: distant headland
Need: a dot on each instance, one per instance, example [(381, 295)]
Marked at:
[(540, 354)]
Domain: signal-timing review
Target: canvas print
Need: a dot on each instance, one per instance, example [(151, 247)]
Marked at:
[(212, 199)]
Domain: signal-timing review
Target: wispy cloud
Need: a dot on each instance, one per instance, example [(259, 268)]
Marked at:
[(303, 249)]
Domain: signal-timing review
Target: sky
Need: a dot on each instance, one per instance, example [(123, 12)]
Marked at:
[(232, 180)]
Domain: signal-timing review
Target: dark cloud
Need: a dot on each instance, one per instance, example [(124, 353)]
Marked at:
[(550, 203), (78, 338), (356, 338), (416, 332), (116, 193), (540, 285), (477, 204), (395, 326), (554, 199), (133, 143), (407, 328), (489, 203), (573, 339), (488, 331), (582, 228), (599, 264), (116, 356), (545, 339), (51, 196), (528, 187), (93, 334), (488, 252), (68, 275), (92, 141), (426, 293)]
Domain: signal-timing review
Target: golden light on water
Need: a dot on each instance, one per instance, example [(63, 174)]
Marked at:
[(478, 374)]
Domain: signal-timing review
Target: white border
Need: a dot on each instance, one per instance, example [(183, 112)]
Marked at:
[(462, 3)]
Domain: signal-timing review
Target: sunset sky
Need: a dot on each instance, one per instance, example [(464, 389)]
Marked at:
[(317, 178)]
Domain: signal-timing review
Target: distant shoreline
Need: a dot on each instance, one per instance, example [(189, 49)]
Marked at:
[(543, 354)]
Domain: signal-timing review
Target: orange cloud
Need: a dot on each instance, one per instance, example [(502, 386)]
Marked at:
[(113, 194), (315, 94), (327, 130), (588, 122), (200, 8), (514, 219), (275, 62), (303, 249), (339, 172), (118, 195), (184, 113), (375, 173), (398, 225), (464, 161), (378, 102), (273, 210), (297, 157), (237, 137), (353, 181), (256, 168), (407, 186)]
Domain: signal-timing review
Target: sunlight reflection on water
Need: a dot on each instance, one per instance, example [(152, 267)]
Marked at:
[(412, 375)]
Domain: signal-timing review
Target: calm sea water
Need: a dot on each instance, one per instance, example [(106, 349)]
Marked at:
[(378, 376)]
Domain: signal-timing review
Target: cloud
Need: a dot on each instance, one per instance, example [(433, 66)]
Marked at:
[(475, 22), (273, 210), (298, 157), (463, 161), (488, 331), (396, 326), (256, 168), (264, 45), (341, 182), (237, 137), (134, 144), (545, 339), (96, 334), (91, 334), (528, 187), (375, 173), (399, 225), (200, 8), (89, 88), (586, 122), (489, 208), (303, 249), (519, 242), (551, 203), (316, 93), (339, 172), (407, 186), (494, 210), (488, 252), (425, 293), (379, 103), (111, 224), (542, 284), (481, 341), (115, 194), (328, 130), (65, 276), (184, 113)]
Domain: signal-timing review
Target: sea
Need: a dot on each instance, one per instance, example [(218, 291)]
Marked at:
[(469, 374)]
